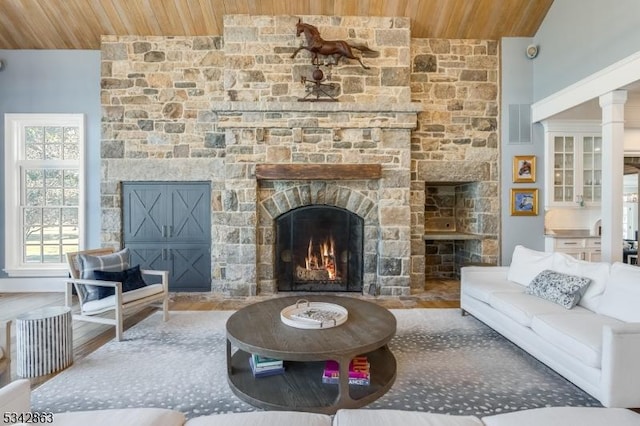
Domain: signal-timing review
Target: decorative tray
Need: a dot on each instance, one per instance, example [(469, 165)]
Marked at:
[(313, 315)]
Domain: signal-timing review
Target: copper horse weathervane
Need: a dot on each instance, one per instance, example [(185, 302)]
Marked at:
[(334, 48)]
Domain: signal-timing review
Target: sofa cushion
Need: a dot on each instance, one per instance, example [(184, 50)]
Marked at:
[(102, 305), (522, 307), (15, 397), (556, 287), (578, 334), (621, 297), (480, 282), (598, 272), (262, 418), (398, 417), (87, 264), (565, 416), (527, 263), (121, 417)]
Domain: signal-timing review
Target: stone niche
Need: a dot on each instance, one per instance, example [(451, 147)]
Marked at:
[(212, 108)]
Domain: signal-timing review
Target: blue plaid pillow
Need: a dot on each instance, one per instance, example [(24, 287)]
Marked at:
[(114, 262)]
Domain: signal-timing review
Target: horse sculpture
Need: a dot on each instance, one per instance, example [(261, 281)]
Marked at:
[(334, 48)]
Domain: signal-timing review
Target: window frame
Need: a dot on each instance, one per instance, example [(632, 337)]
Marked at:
[(15, 164)]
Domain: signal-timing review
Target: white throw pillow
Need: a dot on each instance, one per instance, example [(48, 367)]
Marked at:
[(621, 297), (598, 272), (526, 264)]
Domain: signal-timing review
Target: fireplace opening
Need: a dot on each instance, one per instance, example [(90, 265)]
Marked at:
[(319, 248)]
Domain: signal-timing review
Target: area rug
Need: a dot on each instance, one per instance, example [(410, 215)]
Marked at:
[(447, 363)]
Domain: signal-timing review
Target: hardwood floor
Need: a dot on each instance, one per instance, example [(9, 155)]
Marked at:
[(87, 337)]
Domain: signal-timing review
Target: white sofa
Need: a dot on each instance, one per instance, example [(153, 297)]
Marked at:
[(15, 398), (595, 345), (5, 352)]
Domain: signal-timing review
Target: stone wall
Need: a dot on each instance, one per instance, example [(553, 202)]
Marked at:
[(259, 67), (456, 82), (163, 119)]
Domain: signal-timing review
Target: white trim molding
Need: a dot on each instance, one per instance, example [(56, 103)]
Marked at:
[(15, 125), (32, 285), (609, 79)]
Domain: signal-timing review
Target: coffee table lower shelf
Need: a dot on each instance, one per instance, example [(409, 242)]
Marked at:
[(300, 388)]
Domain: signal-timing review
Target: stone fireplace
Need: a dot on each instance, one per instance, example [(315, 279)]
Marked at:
[(361, 167), (226, 110)]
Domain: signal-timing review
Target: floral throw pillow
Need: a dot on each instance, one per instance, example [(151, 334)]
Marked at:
[(563, 289)]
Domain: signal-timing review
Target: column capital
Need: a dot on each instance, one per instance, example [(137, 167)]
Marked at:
[(614, 97)]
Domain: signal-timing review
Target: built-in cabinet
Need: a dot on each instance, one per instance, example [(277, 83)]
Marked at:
[(580, 248), (573, 156), (167, 227)]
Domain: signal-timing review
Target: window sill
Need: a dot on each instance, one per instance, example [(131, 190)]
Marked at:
[(39, 272)]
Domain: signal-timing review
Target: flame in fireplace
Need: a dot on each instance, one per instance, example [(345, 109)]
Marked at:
[(322, 258)]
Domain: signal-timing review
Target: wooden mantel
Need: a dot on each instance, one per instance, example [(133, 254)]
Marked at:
[(318, 171)]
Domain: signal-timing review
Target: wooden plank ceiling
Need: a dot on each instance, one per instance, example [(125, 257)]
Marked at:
[(78, 24)]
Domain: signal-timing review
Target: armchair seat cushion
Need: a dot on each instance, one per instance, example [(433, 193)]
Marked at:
[(108, 303)]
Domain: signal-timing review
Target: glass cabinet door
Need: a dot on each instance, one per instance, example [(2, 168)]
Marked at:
[(592, 169), (563, 168)]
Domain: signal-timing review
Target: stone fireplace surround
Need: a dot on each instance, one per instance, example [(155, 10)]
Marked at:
[(334, 134), (214, 108)]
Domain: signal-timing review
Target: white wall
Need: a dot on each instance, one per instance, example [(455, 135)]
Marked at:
[(580, 37), (516, 88), (632, 141), (54, 81)]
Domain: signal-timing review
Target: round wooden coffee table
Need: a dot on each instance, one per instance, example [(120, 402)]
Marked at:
[(258, 329)]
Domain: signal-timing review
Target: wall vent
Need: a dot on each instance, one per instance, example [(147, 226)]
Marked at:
[(519, 123)]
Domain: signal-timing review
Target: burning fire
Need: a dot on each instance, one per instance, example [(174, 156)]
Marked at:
[(323, 258)]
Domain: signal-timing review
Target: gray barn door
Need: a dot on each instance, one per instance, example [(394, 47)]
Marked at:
[(167, 226)]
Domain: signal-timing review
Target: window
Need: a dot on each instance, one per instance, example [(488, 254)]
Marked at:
[(44, 214)]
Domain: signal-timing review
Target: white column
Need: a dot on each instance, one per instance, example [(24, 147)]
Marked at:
[(612, 105)]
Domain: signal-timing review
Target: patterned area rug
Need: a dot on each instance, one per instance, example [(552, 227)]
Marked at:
[(447, 363)]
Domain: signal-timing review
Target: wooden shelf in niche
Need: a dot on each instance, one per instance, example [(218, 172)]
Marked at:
[(456, 236), (318, 171)]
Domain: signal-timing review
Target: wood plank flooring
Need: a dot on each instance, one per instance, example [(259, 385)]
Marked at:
[(87, 337)]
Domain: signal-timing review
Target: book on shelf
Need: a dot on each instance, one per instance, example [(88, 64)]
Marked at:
[(261, 361), (352, 381), (264, 371), (359, 371)]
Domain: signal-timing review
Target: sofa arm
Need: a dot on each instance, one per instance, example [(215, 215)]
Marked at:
[(16, 397), (5, 339), (466, 272), (5, 352), (620, 372)]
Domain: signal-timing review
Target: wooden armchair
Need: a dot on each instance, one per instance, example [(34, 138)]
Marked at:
[(121, 302), (5, 355)]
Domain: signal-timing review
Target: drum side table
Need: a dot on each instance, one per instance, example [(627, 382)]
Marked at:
[(44, 341)]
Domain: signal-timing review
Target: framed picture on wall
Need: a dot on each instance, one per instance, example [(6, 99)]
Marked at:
[(524, 169), (524, 201)]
